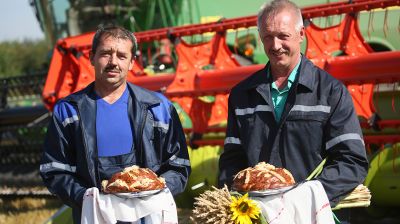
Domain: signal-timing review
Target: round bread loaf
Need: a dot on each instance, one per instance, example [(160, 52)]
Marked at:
[(263, 176), (133, 179)]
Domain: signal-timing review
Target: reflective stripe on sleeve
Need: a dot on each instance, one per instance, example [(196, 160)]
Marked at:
[(179, 161), (57, 166), (245, 111), (342, 138), (232, 140), (70, 120), (316, 108)]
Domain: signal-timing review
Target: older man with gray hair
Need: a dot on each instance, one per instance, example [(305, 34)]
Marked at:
[(293, 114)]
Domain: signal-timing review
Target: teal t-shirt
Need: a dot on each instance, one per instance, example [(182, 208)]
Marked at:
[(279, 96)]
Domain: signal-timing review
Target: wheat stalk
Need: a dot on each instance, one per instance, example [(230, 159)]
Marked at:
[(213, 206)]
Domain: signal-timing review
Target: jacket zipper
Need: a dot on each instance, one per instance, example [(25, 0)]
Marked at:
[(96, 177), (140, 136)]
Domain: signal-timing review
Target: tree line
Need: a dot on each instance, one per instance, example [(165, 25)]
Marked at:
[(23, 57)]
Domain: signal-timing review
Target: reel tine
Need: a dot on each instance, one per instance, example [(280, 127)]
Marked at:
[(393, 101), (235, 45), (398, 26), (385, 24), (370, 27)]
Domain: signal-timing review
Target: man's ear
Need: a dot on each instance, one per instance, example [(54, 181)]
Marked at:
[(132, 63), (302, 34), (91, 56)]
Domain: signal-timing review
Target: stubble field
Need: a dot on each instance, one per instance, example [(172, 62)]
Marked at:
[(33, 210)]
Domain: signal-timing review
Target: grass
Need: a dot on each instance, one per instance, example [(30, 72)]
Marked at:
[(27, 210), (30, 210)]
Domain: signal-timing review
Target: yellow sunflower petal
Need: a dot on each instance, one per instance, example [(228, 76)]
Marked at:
[(244, 209), (244, 220)]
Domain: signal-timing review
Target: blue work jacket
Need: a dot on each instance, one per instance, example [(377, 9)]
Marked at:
[(70, 163)]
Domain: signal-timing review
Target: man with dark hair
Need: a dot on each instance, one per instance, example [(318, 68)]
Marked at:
[(110, 125), (116, 33), (293, 114)]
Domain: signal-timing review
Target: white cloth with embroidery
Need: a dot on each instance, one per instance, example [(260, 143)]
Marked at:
[(307, 203), (107, 208)]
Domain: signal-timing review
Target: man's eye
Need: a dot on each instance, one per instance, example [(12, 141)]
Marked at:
[(283, 37), (268, 37)]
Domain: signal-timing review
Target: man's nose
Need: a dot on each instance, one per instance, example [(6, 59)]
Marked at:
[(276, 44), (113, 59)]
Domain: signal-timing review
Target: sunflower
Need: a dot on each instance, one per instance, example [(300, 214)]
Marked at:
[(244, 210)]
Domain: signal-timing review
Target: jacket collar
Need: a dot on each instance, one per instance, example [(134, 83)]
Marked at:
[(139, 94), (305, 76), (143, 95), (259, 78)]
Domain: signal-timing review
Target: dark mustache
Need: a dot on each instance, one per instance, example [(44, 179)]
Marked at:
[(111, 69)]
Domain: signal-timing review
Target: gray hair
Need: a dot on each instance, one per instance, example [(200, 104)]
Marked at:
[(116, 32), (270, 9)]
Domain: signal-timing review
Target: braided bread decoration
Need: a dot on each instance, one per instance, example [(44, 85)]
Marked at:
[(133, 179), (263, 176)]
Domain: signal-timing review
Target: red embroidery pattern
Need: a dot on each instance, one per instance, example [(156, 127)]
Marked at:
[(279, 213), (316, 213)]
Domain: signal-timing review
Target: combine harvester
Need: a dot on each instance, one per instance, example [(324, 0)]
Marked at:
[(204, 72), (197, 65)]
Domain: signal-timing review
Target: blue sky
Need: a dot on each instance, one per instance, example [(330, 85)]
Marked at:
[(18, 21)]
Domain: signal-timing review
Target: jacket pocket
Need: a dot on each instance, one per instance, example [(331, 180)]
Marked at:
[(305, 133)]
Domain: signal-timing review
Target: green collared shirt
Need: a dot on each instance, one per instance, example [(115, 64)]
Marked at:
[(279, 96)]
